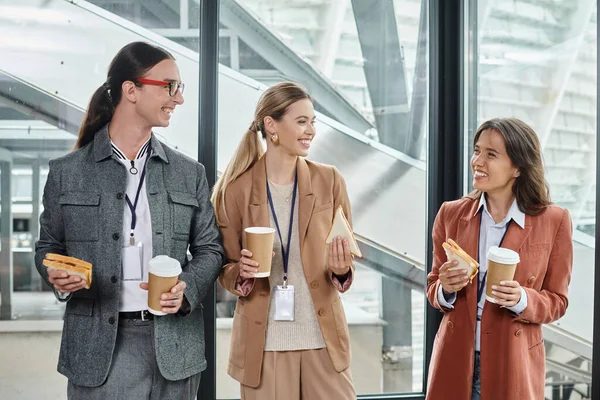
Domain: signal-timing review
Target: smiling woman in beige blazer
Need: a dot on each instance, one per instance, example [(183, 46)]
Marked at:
[(309, 357)]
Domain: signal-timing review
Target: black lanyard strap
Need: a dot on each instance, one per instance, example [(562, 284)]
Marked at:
[(133, 206), (481, 285), (285, 252)]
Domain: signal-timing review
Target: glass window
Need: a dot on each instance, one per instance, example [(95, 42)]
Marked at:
[(537, 62), (42, 110), (367, 70), (53, 56)]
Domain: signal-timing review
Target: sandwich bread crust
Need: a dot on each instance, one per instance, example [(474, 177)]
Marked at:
[(72, 265)]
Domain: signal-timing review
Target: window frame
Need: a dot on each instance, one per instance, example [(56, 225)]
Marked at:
[(451, 32)]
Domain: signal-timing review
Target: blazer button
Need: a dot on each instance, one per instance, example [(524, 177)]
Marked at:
[(116, 236), (314, 284), (120, 196), (450, 324), (518, 332), (321, 312), (111, 320), (531, 280), (113, 279)]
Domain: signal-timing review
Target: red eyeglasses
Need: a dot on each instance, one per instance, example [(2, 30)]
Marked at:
[(173, 86)]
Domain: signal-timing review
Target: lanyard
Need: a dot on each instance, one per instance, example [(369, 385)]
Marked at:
[(133, 206), (481, 285), (284, 251)]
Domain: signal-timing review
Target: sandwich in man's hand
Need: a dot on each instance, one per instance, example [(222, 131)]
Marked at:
[(342, 228), (71, 265), (455, 253)]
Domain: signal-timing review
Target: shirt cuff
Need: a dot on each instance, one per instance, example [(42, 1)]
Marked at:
[(61, 296), (521, 305), (342, 282), (185, 308), (244, 286), (446, 301)]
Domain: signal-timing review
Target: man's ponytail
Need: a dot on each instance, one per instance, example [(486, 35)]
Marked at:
[(99, 113)]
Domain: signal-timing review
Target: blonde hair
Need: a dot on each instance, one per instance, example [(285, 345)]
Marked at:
[(273, 103)]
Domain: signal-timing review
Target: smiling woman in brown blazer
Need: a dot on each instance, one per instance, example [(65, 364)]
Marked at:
[(495, 351), (274, 358)]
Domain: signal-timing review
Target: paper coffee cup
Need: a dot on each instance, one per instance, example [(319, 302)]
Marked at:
[(259, 241), (163, 273), (501, 266)]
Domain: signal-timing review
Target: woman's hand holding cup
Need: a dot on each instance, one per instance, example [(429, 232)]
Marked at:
[(248, 267), (508, 294), (455, 280)]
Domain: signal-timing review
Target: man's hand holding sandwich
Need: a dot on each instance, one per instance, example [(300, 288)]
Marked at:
[(65, 283)]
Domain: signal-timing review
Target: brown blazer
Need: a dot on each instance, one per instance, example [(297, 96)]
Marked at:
[(321, 190), (512, 347)]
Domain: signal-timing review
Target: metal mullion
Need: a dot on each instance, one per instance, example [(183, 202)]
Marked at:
[(207, 155), (445, 160), (596, 294)]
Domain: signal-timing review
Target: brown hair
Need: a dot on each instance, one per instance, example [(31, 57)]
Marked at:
[(524, 150), (273, 103), (131, 63)]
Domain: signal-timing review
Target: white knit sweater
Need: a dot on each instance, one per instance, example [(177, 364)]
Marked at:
[(304, 332)]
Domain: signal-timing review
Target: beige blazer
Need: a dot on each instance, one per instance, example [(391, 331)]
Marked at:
[(321, 190)]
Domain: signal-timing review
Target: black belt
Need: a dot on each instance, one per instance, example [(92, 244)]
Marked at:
[(143, 315)]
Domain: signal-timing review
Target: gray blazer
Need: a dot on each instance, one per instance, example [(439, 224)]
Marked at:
[(83, 217)]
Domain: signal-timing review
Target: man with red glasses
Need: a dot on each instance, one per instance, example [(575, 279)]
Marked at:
[(118, 200)]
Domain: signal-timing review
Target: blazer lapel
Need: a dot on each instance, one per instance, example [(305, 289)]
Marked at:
[(515, 236), (259, 205), (467, 237), (259, 211), (306, 200), (158, 203)]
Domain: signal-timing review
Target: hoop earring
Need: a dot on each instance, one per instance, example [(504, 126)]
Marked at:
[(275, 139)]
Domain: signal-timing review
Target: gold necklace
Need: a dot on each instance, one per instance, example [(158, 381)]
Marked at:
[(286, 197)]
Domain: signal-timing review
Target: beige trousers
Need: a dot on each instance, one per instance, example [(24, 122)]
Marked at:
[(300, 375)]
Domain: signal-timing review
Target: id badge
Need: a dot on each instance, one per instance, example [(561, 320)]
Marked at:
[(284, 303), (131, 262)]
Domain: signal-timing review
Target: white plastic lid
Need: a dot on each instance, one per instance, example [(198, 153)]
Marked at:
[(164, 266), (501, 255), (259, 230)]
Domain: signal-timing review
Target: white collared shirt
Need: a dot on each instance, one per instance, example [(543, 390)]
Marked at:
[(134, 298), (490, 234)]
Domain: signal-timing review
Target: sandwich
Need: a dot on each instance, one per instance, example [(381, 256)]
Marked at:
[(71, 265), (342, 228), (465, 261)]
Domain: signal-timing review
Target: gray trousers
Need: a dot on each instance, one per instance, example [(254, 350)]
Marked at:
[(134, 371), (476, 394)]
